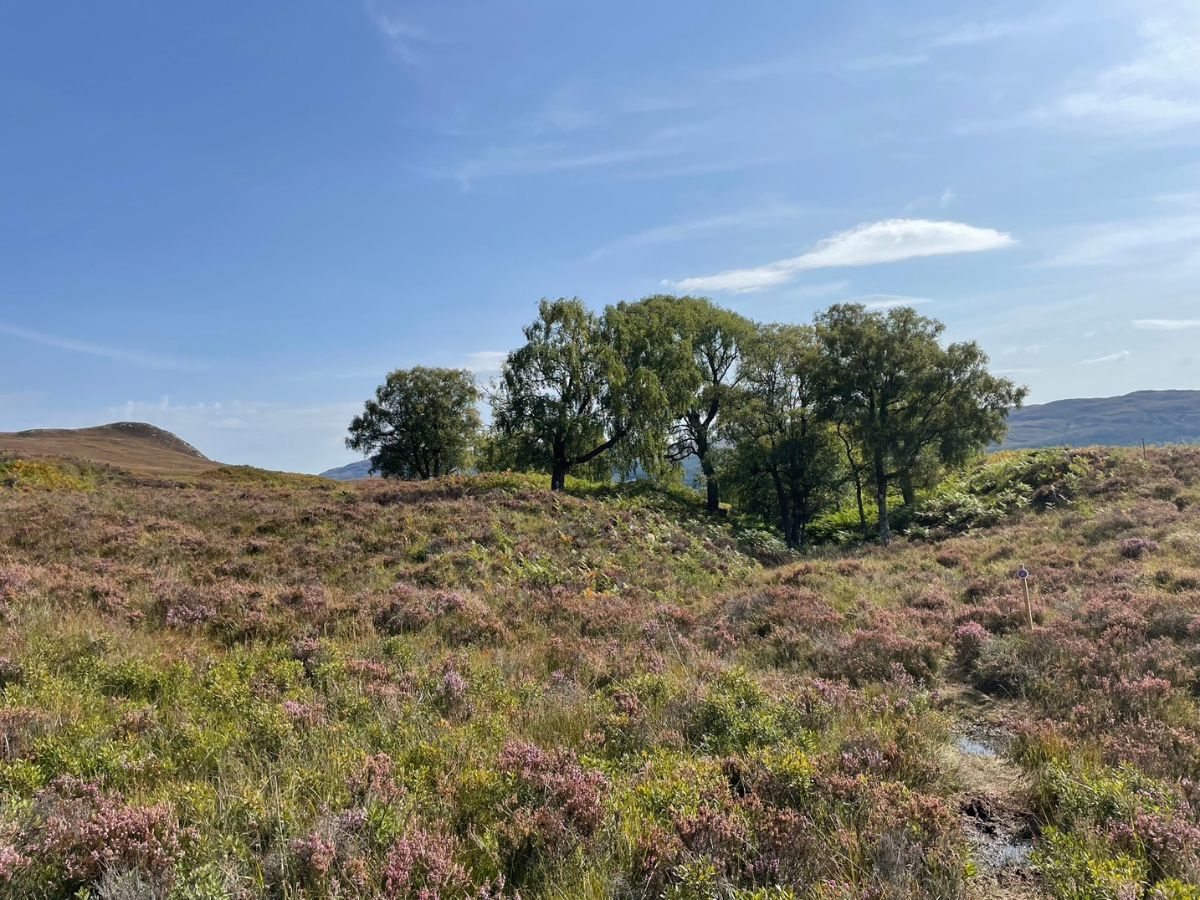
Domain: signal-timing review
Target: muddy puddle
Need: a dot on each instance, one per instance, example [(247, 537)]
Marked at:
[(992, 809)]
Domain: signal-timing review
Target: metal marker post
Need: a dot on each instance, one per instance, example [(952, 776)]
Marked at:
[(1023, 574)]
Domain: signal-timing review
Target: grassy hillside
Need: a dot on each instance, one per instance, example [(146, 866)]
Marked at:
[(134, 446), (240, 684)]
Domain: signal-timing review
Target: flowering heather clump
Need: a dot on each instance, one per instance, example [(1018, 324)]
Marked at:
[(405, 613), (951, 558), (968, 640), (315, 854), (553, 803), (452, 687), (420, 866), (11, 672), (189, 615), (81, 832), (1001, 615), (448, 602), (305, 650), (304, 713), (15, 581), (933, 597), (867, 654), (1137, 547), (1169, 842), (372, 671), (310, 601), (375, 780), (12, 861)]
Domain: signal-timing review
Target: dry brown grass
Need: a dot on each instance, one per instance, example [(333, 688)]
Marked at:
[(137, 447)]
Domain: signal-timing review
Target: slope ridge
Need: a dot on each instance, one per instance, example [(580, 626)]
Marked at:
[(1156, 417), (136, 446)]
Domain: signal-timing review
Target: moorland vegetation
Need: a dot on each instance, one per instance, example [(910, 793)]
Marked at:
[(242, 684), (235, 684)]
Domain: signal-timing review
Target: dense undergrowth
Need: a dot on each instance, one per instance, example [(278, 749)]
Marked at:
[(253, 685)]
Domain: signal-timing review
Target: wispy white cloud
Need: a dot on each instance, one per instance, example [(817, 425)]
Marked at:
[(925, 41), (818, 290), (888, 301), (1165, 324), (879, 242), (888, 61), (967, 34), (132, 357), (486, 362), (403, 36), (539, 158), (1112, 357), (652, 101), (1157, 89), (1122, 243), (763, 216)]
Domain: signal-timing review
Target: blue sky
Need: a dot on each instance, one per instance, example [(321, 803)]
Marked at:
[(232, 219)]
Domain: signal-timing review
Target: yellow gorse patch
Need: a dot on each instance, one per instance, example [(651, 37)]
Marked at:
[(30, 475)]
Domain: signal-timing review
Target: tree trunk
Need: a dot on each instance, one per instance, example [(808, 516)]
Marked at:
[(785, 516), (800, 515), (713, 503), (558, 470), (885, 533), (907, 489), (856, 474), (862, 510)]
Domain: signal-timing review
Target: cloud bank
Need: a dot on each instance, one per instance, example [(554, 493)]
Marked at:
[(891, 240), (1156, 89)]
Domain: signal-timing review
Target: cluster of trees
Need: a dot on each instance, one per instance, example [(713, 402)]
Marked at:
[(785, 419)]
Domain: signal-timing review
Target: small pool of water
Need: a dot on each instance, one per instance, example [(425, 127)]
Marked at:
[(973, 748), (1001, 853), (1011, 854)]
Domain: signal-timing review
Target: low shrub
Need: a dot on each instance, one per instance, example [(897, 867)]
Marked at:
[(1137, 547)]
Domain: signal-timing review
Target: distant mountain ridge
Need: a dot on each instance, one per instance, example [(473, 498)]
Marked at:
[(1156, 417), (362, 469), (351, 472)]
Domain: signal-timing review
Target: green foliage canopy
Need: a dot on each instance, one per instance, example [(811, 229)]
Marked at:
[(421, 424), (580, 386), (787, 415), (710, 340), (902, 397), (785, 459)]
